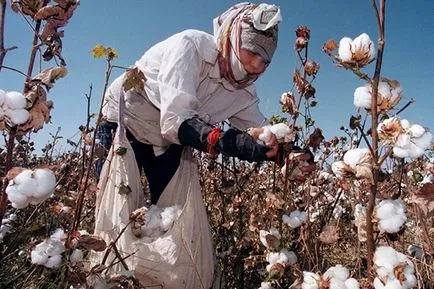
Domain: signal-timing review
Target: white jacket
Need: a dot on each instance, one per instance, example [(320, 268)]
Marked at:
[(183, 80)]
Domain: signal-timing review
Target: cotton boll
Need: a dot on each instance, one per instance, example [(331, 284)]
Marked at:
[(2, 97), (18, 116), (362, 97), (286, 257), (410, 281), (15, 100), (54, 261), (169, 215), (336, 284), (295, 219), (352, 283), (353, 157), (338, 271), (424, 141), (265, 136), (392, 225), (58, 235), (400, 152), (415, 151), (76, 256), (310, 280), (38, 257), (416, 251), (46, 182), (17, 199), (416, 130), (152, 224), (338, 168), (385, 90), (405, 124), (280, 130), (344, 51), (378, 284), (386, 257), (273, 258), (266, 285), (364, 43), (389, 208)]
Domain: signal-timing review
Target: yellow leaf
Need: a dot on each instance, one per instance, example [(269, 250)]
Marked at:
[(111, 53), (99, 51), (134, 78)]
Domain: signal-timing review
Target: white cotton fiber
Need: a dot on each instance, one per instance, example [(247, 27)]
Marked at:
[(263, 234), (387, 258), (362, 97), (352, 283), (48, 253), (336, 284), (310, 280), (416, 130), (31, 187), (46, 182), (17, 116), (265, 136), (280, 130), (295, 219), (364, 43), (272, 258), (353, 157), (424, 141), (266, 285), (287, 257), (390, 215), (169, 215), (344, 51), (76, 256), (54, 261), (2, 97), (38, 257), (15, 100), (59, 235), (338, 271)]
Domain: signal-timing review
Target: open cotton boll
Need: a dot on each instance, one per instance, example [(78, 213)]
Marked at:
[(387, 258), (152, 224), (280, 130), (265, 136), (274, 242), (2, 97), (295, 219), (310, 280), (389, 208), (286, 257), (424, 141), (392, 224), (416, 130), (338, 271), (344, 51), (59, 235), (336, 284), (169, 215), (266, 285), (362, 97), (15, 100), (17, 116), (363, 43), (354, 156), (17, 199), (352, 283), (272, 258), (76, 256), (46, 182), (54, 261), (38, 257)]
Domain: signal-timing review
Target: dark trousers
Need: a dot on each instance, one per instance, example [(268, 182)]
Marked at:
[(159, 170)]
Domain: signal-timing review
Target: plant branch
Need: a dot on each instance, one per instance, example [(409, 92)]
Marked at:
[(3, 50)]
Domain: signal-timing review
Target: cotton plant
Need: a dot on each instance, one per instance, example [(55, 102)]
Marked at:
[(356, 162), (389, 94), (295, 218), (390, 215), (394, 269), (337, 277), (13, 108), (49, 252), (359, 51), (284, 258), (407, 140), (31, 187)]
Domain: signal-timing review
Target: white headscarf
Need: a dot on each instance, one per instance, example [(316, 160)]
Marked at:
[(227, 34)]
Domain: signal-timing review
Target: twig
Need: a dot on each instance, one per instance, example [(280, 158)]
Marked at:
[(405, 106), (370, 244), (11, 68)]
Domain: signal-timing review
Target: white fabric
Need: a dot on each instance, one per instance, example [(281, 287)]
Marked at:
[(183, 256), (183, 80)]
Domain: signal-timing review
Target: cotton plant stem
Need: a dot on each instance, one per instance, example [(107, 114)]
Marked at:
[(80, 201), (9, 150), (370, 243)]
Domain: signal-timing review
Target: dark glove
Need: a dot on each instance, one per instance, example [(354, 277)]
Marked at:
[(194, 132)]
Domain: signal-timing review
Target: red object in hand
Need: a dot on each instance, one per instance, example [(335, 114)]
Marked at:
[(212, 140)]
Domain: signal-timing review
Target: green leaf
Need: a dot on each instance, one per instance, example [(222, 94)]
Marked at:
[(124, 189), (121, 151)]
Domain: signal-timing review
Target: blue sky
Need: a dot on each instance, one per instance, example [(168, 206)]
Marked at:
[(132, 26)]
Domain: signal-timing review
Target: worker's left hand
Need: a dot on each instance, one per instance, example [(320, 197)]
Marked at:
[(271, 143)]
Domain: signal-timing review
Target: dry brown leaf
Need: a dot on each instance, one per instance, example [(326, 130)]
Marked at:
[(272, 241), (28, 7), (424, 199), (35, 92), (39, 114), (50, 75), (288, 103), (92, 242), (315, 139), (329, 235), (364, 172), (331, 45), (134, 79), (50, 11), (13, 172)]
